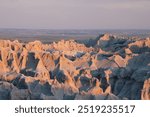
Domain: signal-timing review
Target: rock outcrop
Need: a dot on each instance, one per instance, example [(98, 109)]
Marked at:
[(106, 68)]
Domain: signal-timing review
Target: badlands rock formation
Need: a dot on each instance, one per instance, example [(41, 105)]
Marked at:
[(107, 68)]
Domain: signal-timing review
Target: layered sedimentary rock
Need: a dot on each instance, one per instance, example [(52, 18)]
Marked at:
[(108, 67)]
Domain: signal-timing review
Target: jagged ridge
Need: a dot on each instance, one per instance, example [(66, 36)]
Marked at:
[(109, 67)]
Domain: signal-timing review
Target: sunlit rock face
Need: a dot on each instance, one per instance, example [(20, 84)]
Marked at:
[(108, 68)]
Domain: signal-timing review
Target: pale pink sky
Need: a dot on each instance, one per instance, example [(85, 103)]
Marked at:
[(75, 14)]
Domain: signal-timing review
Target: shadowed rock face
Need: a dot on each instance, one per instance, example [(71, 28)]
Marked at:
[(108, 68)]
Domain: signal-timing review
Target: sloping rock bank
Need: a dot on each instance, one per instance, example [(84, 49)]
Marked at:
[(107, 68)]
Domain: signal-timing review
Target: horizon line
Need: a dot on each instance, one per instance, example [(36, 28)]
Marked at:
[(75, 29)]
